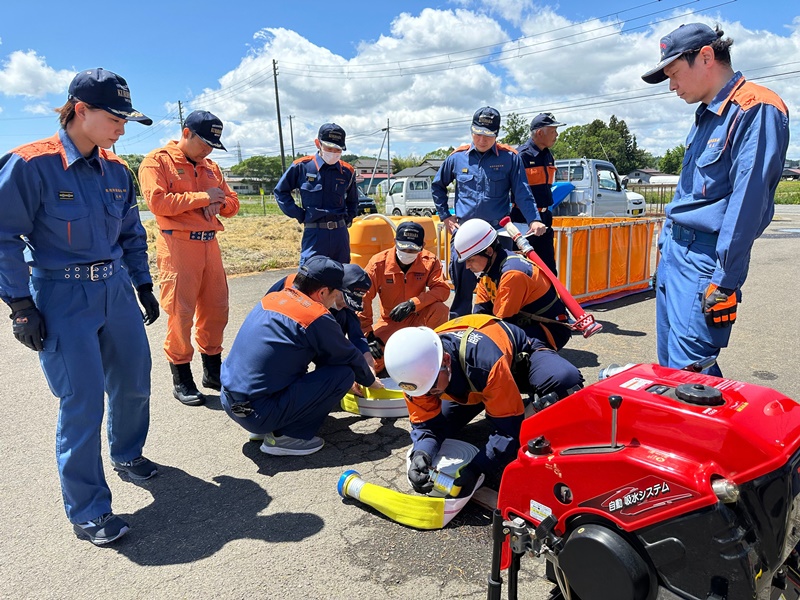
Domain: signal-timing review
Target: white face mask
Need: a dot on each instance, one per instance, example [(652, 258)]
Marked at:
[(406, 257), (330, 158)]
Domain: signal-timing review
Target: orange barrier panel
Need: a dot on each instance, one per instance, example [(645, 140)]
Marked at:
[(599, 257), (596, 256)]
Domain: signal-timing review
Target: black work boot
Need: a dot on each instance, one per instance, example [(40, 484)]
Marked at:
[(184, 388), (211, 367)]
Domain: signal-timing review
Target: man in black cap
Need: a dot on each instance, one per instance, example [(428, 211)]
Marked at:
[(328, 196), (540, 169), (72, 249), (724, 200), (487, 176), (412, 290), (266, 385), (185, 190)]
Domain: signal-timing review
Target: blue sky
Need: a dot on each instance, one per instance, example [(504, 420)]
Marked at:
[(359, 64)]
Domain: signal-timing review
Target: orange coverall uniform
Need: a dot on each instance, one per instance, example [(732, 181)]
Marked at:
[(192, 279), (423, 284)]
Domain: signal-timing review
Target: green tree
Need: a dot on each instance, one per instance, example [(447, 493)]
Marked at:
[(672, 161), (404, 162), (264, 170), (516, 128), (134, 160), (438, 154), (613, 142)]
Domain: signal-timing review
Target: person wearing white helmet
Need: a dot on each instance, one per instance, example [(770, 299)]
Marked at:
[(471, 364), (510, 286)]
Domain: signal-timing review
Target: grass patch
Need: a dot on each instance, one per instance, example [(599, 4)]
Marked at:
[(788, 192)]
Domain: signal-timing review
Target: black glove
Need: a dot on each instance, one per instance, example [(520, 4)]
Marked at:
[(28, 323), (375, 345), (402, 310), (148, 302), (466, 480), (419, 472), (719, 306)]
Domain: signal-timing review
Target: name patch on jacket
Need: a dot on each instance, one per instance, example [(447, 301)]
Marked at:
[(390, 280), (66, 196)]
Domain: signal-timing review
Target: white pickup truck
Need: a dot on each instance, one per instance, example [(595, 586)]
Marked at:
[(411, 196), (597, 192)]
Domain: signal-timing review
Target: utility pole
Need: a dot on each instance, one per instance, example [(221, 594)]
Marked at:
[(291, 133), (278, 108), (388, 160), (239, 150), (180, 113)]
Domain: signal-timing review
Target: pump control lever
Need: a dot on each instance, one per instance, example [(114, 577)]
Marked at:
[(615, 401)]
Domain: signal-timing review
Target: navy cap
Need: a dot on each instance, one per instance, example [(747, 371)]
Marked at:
[(356, 284), (326, 271), (410, 236), (106, 90), (686, 38), (206, 126), (332, 134), (544, 120), (486, 121)]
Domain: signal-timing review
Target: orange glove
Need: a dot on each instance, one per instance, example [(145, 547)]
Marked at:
[(719, 306)]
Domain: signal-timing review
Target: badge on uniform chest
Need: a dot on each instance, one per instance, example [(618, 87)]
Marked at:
[(311, 177), (390, 280), (66, 196)]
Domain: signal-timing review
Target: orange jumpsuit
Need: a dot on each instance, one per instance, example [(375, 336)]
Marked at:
[(193, 284), (423, 284)]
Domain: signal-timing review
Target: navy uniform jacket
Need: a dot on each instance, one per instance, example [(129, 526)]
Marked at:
[(540, 171), (72, 211), (327, 192), (346, 318), (484, 185), (281, 336)]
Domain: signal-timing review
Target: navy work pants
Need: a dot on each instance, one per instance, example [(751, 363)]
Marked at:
[(297, 411), (95, 345)]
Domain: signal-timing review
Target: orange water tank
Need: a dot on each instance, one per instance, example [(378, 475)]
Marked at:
[(368, 236)]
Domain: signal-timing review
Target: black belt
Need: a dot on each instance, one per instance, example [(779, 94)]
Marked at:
[(326, 224), (200, 236), (684, 234), (93, 272)]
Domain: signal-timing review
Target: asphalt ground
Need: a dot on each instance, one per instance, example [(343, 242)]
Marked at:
[(223, 520)]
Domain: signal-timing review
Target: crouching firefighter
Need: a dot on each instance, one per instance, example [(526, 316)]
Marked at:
[(510, 286), (471, 364)]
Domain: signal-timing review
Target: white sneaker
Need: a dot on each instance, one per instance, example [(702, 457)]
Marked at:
[(288, 446)]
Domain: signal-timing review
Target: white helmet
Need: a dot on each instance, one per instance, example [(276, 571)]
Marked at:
[(413, 356), (473, 237)]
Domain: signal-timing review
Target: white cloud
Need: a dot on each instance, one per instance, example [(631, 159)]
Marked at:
[(433, 70), (38, 109), (27, 74)]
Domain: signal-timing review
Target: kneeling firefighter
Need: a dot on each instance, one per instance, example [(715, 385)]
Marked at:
[(468, 365), (510, 286)]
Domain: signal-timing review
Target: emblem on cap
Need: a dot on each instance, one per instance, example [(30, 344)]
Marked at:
[(409, 387)]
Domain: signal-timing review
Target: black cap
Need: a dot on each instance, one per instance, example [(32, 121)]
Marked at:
[(410, 236), (106, 90), (544, 120), (356, 284), (486, 121), (686, 38), (332, 134), (206, 126), (326, 271)]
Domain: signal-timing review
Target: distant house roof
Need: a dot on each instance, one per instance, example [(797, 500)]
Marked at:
[(433, 162), (791, 172), (422, 171), (649, 171), (369, 163)]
